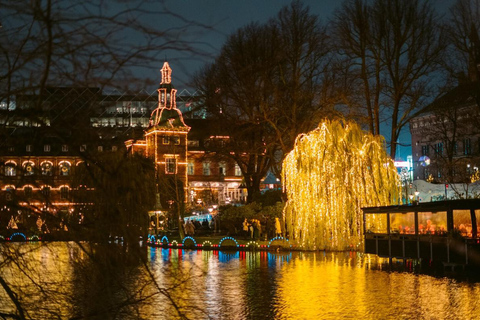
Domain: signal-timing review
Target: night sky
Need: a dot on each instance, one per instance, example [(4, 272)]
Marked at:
[(221, 18)]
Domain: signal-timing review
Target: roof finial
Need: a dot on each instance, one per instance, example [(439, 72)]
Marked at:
[(166, 73)]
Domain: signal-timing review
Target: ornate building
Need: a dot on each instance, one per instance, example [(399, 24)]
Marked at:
[(43, 144)]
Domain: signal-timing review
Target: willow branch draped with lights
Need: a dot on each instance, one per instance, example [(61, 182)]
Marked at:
[(332, 173)]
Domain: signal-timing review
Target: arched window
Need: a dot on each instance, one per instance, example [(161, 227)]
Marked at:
[(28, 168), (64, 191), (191, 168), (206, 168), (27, 190), (47, 168), (65, 168), (46, 191), (222, 169), (10, 169)]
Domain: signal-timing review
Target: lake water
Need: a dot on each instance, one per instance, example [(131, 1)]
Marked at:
[(228, 285)]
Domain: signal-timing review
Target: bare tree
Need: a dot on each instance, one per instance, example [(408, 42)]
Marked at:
[(267, 86), (392, 50), (94, 45), (464, 51)]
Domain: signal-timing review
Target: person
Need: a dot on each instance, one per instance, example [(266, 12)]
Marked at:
[(245, 228), (278, 228), (250, 227)]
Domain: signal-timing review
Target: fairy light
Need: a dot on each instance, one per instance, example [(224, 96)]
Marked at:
[(332, 173), (227, 238)]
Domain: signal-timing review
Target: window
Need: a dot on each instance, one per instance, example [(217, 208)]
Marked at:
[(28, 192), (222, 168), (439, 148), (11, 149), (46, 148), (191, 168), (402, 223), (64, 192), (170, 165), (83, 147), (176, 140), (10, 170), (64, 168), (206, 168), (64, 148), (46, 192), (376, 223), (238, 171), (425, 150), (467, 146), (432, 222), (28, 148), (46, 168), (28, 168), (166, 140), (100, 148), (462, 222)]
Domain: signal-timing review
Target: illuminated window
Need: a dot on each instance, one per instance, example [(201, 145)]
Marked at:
[(376, 223), (222, 168), (166, 140), (28, 148), (64, 169), (462, 222), (10, 170), (191, 168), (402, 223), (28, 169), (46, 148), (170, 165), (432, 222), (206, 168), (64, 148), (238, 171), (100, 148), (46, 168)]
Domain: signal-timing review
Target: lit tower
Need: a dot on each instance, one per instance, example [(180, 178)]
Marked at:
[(166, 141)]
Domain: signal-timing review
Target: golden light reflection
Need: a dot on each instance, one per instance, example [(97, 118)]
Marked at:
[(332, 173)]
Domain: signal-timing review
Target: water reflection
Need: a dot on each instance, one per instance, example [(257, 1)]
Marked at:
[(99, 282), (299, 285)]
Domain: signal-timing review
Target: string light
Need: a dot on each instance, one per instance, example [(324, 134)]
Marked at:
[(227, 238), (332, 173)]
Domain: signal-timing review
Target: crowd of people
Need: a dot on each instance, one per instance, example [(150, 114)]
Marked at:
[(252, 229)]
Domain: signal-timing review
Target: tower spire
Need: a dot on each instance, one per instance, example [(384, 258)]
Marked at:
[(166, 73)]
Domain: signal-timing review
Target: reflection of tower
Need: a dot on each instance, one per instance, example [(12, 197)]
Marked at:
[(166, 140)]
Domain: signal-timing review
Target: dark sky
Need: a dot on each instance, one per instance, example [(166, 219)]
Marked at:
[(221, 18)]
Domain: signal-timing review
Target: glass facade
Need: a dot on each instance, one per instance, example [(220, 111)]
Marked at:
[(376, 223), (432, 222), (402, 223)]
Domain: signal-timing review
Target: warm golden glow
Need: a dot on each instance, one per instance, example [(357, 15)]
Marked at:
[(332, 173)]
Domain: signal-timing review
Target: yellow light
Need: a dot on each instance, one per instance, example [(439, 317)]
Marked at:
[(332, 173)]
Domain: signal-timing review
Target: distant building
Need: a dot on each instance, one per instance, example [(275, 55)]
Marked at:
[(43, 143)]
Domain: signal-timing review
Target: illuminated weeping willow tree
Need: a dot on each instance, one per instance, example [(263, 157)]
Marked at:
[(332, 173)]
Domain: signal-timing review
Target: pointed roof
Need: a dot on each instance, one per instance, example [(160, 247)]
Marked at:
[(166, 82)]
